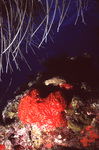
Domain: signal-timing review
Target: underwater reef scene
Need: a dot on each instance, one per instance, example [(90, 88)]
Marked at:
[(58, 109), (27, 25), (55, 43)]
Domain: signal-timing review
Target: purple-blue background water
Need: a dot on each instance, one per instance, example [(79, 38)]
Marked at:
[(74, 40)]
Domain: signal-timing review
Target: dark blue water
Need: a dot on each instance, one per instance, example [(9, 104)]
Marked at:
[(74, 40)]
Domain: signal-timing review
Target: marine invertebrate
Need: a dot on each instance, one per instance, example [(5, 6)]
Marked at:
[(22, 21), (89, 137), (55, 81), (46, 113)]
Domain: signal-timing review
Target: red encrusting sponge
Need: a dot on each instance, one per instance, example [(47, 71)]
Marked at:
[(47, 112)]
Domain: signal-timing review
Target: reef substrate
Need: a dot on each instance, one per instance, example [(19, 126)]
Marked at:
[(52, 113)]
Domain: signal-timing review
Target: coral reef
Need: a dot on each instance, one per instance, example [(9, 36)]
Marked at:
[(66, 117)]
